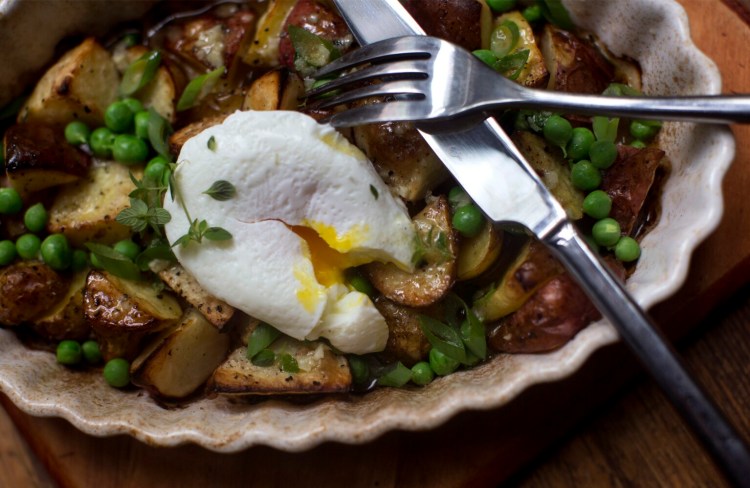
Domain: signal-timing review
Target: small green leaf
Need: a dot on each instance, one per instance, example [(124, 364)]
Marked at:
[(114, 262), (443, 338), (605, 129), (396, 376), (135, 216), (158, 249), (288, 363), (221, 190), (374, 192), (217, 234), (198, 88), (211, 143), (262, 337)]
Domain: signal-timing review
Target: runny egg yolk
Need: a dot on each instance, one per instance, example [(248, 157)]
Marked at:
[(328, 264)]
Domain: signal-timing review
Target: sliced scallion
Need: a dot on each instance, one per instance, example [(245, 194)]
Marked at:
[(443, 337), (504, 38), (140, 73), (262, 337), (198, 88), (288, 363), (397, 376), (512, 65), (159, 131), (114, 262)]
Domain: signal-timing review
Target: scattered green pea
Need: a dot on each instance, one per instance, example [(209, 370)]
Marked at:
[(603, 154), (627, 249), (28, 245), (7, 252), (580, 143), (141, 123), (35, 218), (101, 142), (79, 261), (68, 352), (118, 117), (117, 372), (77, 133), (56, 252), (128, 248), (133, 104), (10, 201), (597, 204), (585, 176), (91, 352), (442, 364), (606, 232), (129, 149), (642, 131), (558, 130), (499, 6), (457, 197), (422, 374), (468, 220), (532, 13)]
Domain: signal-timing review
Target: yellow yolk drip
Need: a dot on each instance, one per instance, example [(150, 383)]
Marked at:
[(341, 243), (336, 142), (328, 263), (309, 295)]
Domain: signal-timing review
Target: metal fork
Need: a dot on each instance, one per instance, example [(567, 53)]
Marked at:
[(426, 78)]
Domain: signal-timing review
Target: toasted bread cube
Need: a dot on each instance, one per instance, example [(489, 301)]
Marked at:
[(216, 311)]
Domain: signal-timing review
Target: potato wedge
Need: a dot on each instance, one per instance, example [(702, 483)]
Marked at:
[(122, 312), (66, 319), (27, 290), (85, 210), (406, 341), (179, 138), (454, 20), (321, 371), (478, 253), (161, 93), (216, 311), (81, 85), (534, 73), (264, 50), (533, 267), (554, 171), (183, 359), (432, 280), (276, 90), (37, 156)]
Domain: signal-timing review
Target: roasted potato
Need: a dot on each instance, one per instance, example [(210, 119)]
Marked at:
[(533, 267), (549, 164), (276, 90), (216, 311), (320, 371), (183, 359), (534, 73), (406, 341), (402, 158), (66, 319), (81, 85), (37, 156), (478, 253), (179, 138), (27, 290), (264, 49), (85, 210), (122, 312), (434, 278), (454, 20), (161, 92)]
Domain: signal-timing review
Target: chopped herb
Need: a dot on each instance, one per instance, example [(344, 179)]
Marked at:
[(200, 230), (159, 131), (512, 65), (443, 337), (198, 88), (114, 262), (397, 376), (374, 192), (139, 216), (157, 249), (140, 73), (212, 143), (221, 190), (262, 337), (288, 363)]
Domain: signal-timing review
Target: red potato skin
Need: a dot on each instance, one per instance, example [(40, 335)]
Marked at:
[(32, 146), (449, 19), (588, 71), (27, 290), (315, 18)]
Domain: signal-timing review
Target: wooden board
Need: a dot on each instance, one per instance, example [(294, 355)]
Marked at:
[(474, 448)]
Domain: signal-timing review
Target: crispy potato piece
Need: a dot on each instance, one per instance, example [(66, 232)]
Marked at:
[(37, 156), (401, 157), (573, 64), (554, 171), (533, 267), (66, 319), (27, 290), (535, 72), (264, 50), (180, 137), (216, 311), (183, 359), (161, 93), (433, 280), (406, 341), (122, 312), (454, 20), (321, 371), (276, 90), (81, 85), (628, 182), (316, 17), (85, 210), (478, 253)]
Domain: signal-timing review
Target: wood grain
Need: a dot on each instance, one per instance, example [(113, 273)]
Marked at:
[(638, 441)]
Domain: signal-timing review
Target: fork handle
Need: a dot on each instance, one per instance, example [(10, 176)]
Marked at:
[(711, 108), (653, 350)]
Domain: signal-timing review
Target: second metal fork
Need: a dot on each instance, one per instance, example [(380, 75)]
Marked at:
[(426, 78)]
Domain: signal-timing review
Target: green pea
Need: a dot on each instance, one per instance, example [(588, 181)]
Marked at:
[(597, 204), (501, 5), (28, 245), (558, 130), (56, 252), (7, 252), (532, 13), (77, 133), (91, 352), (422, 374), (68, 352), (603, 154), (585, 176), (156, 169), (133, 104), (606, 232), (117, 372), (642, 131), (359, 369), (468, 220), (35, 218), (101, 142), (118, 117), (442, 364), (580, 143), (10, 201), (458, 197), (79, 261), (129, 149), (128, 248), (141, 124), (487, 57), (627, 249)]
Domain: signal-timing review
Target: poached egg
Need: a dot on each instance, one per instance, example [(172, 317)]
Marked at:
[(308, 205)]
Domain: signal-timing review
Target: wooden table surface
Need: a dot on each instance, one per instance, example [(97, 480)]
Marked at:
[(607, 425)]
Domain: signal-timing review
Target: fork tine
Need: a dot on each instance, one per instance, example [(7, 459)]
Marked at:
[(402, 110), (379, 89), (402, 47), (396, 70)]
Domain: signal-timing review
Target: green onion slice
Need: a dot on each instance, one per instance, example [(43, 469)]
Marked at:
[(397, 376), (620, 89), (262, 337), (264, 358), (311, 50), (288, 363), (443, 337), (198, 88), (114, 262), (140, 73), (605, 129), (504, 38), (159, 131), (512, 65)]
